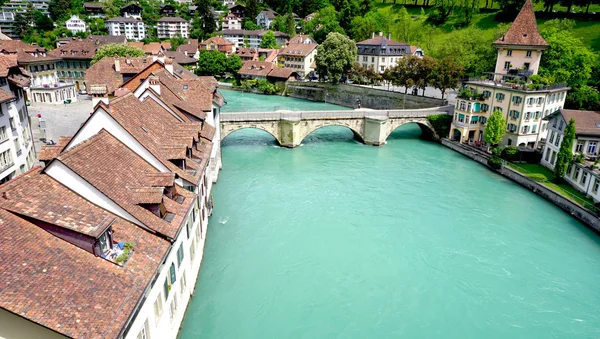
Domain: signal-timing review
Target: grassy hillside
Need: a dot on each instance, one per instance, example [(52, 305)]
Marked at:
[(587, 30)]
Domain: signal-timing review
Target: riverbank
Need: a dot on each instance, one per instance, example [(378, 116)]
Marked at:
[(586, 216)]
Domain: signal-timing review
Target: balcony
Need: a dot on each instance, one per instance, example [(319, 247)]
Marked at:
[(6, 166), (518, 85)]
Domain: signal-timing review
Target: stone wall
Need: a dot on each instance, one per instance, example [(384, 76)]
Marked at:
[(346, 95), (582, 214)]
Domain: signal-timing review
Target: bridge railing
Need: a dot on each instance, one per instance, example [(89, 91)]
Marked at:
[(262, 116)]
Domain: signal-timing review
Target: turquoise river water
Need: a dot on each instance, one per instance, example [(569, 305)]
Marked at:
[(336, 239)]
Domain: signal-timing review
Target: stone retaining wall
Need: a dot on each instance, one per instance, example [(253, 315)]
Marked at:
[(580, 213), (346, 95)]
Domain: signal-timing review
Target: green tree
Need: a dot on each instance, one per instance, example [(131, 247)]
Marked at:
[(177, 41), (325, 22), (290, 25), (206, 17), (212, 63), (233, 64), (268, 40), (112, 8), (567, 58), (565, 153), (446, 73), (583, 97), (97, 27), (58, 8), (406, 29), (335, 56), (252, 9), (42, 22), (110, 50), (24, 22), (495, 128)]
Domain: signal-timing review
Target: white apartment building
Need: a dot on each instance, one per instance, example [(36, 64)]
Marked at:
[(130, 28), (523, 104), (380, 53), (299, 55), (587, 143), (239, 37), (170, 27), (75, 24), (17, 154)]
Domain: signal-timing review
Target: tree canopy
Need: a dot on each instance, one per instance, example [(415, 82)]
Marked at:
[(120, 50), (565, 153), (217, 64), (325, 22), (268, 40), (495, 128), (335, 56)]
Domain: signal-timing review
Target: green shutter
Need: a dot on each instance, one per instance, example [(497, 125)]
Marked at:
[(166, 288), (172, 273)]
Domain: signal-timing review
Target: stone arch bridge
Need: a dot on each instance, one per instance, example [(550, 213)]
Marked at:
[(372, 127)]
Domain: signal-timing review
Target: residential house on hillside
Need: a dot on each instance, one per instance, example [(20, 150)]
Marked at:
[(247, 54), (217, 43), (181, 59), (167, 10), (170, 27), (587, 143), (265, 18), (131, 28), (310, 16), (75, 24), (523, 104), (17, 154), (132, 11), (231, 21), (380, 53), (299, 56), (251, 38), (99, 39), (45, 86), (7, 24), (238, 10), (94, 9), (190, 49), (301, 39)]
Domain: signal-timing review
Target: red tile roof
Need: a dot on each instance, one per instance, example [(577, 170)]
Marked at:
[(76, 49), (191, 47), (256, 68), (49, 152), (380, 40), (586, 122), (6, 63), (301, 49), (5, 96), (67, 289), (25, 53), (118, 172), (524, 30)]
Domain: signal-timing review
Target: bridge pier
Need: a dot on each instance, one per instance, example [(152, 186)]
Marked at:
[(289, 133), (375, 131)]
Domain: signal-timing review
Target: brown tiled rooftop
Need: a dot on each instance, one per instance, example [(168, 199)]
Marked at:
[(586, 122), (25, 53), (524, 30), (49, 152), (5, 96), (68, 290), (300, 49), (38, 196), (113, 169), (256, 68)]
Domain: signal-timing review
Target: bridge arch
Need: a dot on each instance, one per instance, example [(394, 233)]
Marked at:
[(427, 130), (226, 132), (355, 126)]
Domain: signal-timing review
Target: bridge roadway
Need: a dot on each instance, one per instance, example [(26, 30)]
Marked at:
[(372, 127)]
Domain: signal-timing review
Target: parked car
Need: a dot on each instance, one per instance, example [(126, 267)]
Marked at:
[(83, 92)]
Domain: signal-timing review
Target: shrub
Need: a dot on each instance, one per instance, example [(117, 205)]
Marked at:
[(537, 177), (266, 87), (497, 151), (441, 123), (510, 152), (579, 158), (495, 163)]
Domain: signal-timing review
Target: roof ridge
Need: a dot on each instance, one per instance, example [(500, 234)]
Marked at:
[(83, 144)]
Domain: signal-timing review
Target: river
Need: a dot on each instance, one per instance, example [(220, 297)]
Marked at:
[(336, 239)]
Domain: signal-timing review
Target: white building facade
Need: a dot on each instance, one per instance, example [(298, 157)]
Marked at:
[(130, 28), (75, 24), (170, 27)]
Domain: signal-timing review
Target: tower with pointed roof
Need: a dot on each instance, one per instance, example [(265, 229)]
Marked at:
[(520, 49)]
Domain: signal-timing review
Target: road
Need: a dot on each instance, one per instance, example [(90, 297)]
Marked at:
[(61, 120), (429, 92)]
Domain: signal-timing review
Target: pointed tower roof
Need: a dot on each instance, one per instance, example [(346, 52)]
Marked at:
[(524, 30)]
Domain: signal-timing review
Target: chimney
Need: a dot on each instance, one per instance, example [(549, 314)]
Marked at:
[(380, 33), (169, 65), (117, 65), (154, 83), (389, 36), (373, 35)]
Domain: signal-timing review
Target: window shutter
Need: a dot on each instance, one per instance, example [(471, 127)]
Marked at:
[(172, 274)]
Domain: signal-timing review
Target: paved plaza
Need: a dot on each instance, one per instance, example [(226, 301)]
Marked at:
[(60, 119)]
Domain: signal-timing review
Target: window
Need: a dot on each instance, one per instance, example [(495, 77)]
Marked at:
[(179, 256), (5, 160), (557, 141), (528, 54), (547, 154), (13, 125), (553, 160), (517, 99), (576, 174), (500, 96), (3, 135), (497, 108), (166, 288), (584, 177), (183, 284), (158, 308), (579, 147), (509, 52), (592, 147), (560, 125), (507, 65), (569, 169), (551, 136), (596, 184), (144, 332), (3, 81), (534, 129), (172, 309)]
